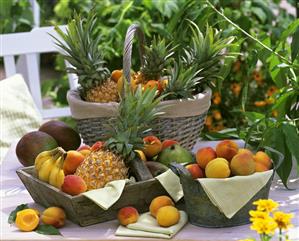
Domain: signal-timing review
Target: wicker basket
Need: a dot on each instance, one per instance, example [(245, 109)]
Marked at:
[(82, 210), (202, 212), (182, 119)]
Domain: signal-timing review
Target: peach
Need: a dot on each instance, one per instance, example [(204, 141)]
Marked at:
[(152, 146), (259, 167), (54, 216), (168, 216), (242, 164), (127, 215), (85, 152), (73, 185), (227, 149), (159, 202), (72, 160), (263, 158), (204, 156), (218, 168), (98, 145), (167, 143), (195, 171), (84, 147), (244, 150), (27, 220)]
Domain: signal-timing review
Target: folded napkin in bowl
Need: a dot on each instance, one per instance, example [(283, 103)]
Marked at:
[(222, 192), (147, 227), (105, 197)]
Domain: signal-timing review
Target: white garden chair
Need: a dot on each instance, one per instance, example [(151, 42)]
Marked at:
[(31, 44)]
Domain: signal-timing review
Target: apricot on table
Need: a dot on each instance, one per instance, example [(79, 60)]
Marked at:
[(54, 216), (204, 156), (127, 215), (227, 149), (27, 220), (168, 216), (159, 202)]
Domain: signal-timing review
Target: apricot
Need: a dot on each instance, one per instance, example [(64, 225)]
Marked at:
[(242, 164), (259, 167), (244, 150), (159, 202), (167, 143), (27, 220), (227, 149), (127, 215), (152, 146), (54, 216), (263, 158), (195, 171), (72, 161), (168, 216), (73, 185), (116, 74), (204, 156), (218, 168)]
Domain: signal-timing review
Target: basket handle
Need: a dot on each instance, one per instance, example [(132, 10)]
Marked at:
[(133, 30)]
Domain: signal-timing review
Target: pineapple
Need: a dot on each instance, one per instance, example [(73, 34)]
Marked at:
[(136, 112), (156, 58), (82, 52)]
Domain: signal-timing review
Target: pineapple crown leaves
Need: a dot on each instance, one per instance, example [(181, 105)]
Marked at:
[(182, 81), (80, 48), (136, 112), (156, 58), (206, 51)]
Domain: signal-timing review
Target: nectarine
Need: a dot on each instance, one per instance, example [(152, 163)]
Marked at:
[(204, 156), (227, 149), (195, 171), (127, 215)]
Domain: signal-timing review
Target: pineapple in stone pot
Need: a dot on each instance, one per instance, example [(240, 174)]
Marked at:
[(80, 47), (118, 157)]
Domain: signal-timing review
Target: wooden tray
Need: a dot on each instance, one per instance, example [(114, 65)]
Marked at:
[(80, 209)]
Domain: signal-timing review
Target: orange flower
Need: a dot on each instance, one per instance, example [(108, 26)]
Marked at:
[(235, 88), (217, 115), (260, 103), (258, 77), (209, 120), (271, 90), (216, 98)]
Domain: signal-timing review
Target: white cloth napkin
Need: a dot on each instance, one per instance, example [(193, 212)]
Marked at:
[(147, 226), (171, 183), (231, 194)]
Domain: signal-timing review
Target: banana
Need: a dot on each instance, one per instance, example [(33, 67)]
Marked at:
[(60, 179), (53, 173), (43, 156), (44, 171)]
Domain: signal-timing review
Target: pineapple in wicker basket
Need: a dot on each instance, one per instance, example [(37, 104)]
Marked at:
[(81, 51), (135, 114)]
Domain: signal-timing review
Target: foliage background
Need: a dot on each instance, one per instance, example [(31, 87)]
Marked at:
[(259, 94)]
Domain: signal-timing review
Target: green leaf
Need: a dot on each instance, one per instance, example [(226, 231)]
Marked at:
[(13, 214), (292, 140), (259, 13), (47, 229), (289, 30), (295, 45), (253, 117)]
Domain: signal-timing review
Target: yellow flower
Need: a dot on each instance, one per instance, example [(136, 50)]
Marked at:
[(264, 226), (267, 205), (216, 98), (257, 215), (283, 220)]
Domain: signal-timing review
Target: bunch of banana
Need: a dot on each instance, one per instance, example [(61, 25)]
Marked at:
[(49, 166)]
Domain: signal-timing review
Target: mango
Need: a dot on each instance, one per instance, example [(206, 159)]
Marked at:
[(27, 220), (168, 216), (73, 185), (218, 168), (127, 215), (242, 164), (227, 149), (167, 143), (33, 143), (159, 202), (66, 137), (54, 216), (204, 156), (72, 160)]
